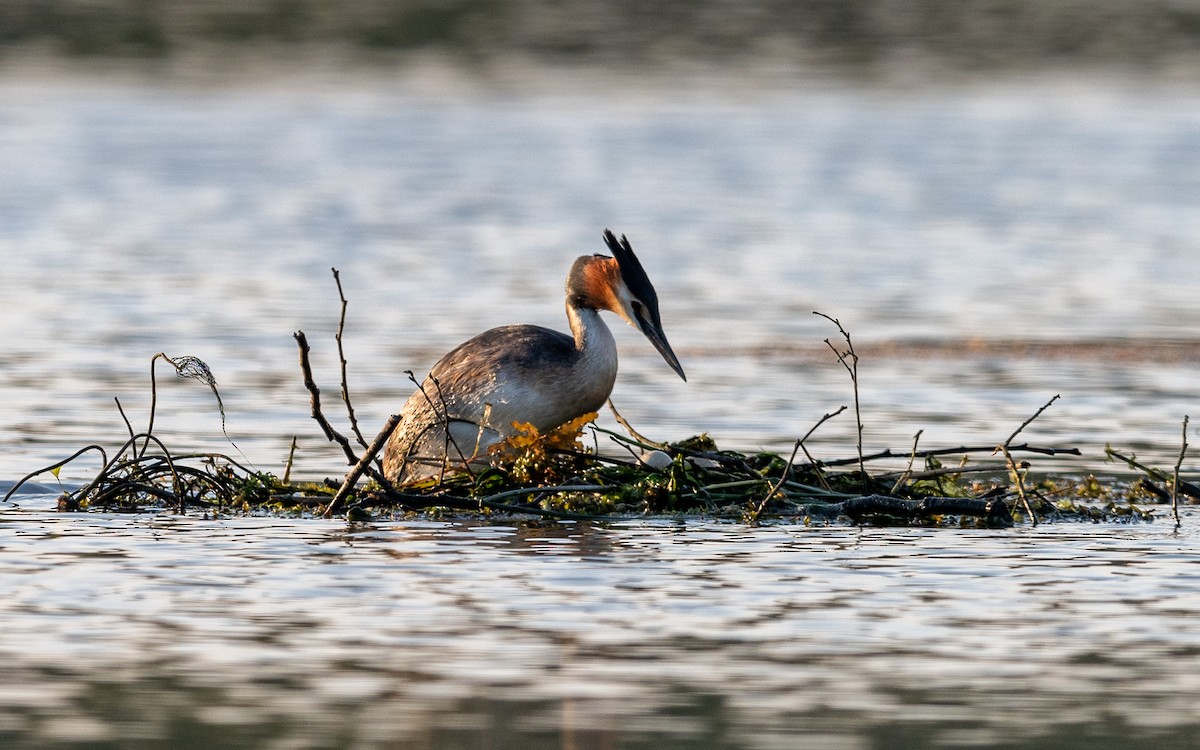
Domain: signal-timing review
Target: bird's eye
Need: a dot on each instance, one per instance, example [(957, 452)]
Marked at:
[(638, 308)]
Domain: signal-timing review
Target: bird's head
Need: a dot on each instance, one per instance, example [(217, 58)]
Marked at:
[(621, 285)]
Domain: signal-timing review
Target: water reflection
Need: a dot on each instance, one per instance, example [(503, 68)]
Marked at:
[(277, 633)]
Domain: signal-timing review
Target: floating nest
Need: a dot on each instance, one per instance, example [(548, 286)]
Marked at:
[(564, 474)]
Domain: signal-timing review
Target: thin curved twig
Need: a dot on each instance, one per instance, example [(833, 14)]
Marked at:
[(13, 490)]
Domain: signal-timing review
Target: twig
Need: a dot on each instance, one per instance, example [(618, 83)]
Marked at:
[(342, 356), (153, 402), (1027, 422), (1186, 488), (352, 477), (813, 464), (619, 438), (908, 471), (331, 434), (287, 468), (12, 491), (949, 471), (1175, 480), (888, 453), (1018, 478), (629, 428), (1014, 470), (849, 360), (757, 513)]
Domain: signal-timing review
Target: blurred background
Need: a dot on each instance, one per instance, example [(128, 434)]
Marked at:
[(854, 37)]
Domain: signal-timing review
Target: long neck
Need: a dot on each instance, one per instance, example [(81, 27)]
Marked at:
[(592, 336)]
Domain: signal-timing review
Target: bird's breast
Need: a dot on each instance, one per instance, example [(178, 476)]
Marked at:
[(548, 391)]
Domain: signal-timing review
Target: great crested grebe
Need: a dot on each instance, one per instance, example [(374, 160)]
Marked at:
[(526, 373)]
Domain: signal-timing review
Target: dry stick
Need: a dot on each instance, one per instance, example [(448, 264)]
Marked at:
[(1175, 480), (754, 516), (790, 465), (1015, 471), (945, 471), (1019, 479), (449, 439), (342, 356), (815, 466), (331, 434), (1027, 422), (352, 478), (629, 428), (852, 368), (1186, 488), (287, 468), (887, 453), (911, 457)]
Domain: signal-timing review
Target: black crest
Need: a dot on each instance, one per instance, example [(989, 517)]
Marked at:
[(632, 273)]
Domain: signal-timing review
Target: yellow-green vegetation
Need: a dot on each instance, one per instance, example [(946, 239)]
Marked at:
[(560, 475)]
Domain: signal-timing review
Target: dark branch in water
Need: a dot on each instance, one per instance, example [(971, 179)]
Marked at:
[(994, 510), (330, 433), (352, 478), (1186, 488), (888, 453)]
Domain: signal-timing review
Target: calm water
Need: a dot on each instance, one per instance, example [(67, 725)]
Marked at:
[(139, 217), (160, 631)]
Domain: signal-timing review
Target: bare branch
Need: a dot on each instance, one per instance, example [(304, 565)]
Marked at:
[(911, 457), (342, 356), (849, 360), (331, 434), (629, 428), (353, 476), (1175, 480), (1027, 422)]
